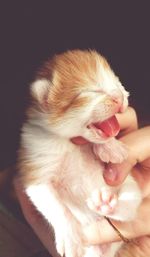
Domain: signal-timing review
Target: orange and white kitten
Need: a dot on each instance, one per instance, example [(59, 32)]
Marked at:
[(75, 94)]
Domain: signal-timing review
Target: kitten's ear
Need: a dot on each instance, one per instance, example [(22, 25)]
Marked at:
[(39, 92)]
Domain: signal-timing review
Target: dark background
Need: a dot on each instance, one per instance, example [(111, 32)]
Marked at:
[(33, 30)]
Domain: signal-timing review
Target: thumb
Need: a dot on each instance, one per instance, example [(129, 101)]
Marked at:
[(115, 174), (138, 143)]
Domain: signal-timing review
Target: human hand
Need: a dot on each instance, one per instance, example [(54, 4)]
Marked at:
[(138, 142)]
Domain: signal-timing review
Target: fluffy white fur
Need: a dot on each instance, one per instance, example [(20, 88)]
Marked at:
[(70, 185)]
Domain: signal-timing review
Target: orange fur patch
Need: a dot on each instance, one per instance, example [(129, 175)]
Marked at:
[(71, 73)]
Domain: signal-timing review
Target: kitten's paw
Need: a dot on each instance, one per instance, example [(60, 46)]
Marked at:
[(103, 201), (113, 151), (117, 203)]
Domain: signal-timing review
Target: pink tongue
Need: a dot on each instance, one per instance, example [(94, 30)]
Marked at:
[(110, 127)]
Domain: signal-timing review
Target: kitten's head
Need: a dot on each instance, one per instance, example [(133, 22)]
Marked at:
[(76, 92)]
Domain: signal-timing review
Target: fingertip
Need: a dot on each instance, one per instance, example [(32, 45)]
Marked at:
[(110, 175), (128, 120), (114, 174)]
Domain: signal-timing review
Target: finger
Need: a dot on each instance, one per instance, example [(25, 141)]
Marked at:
[(127, 120), (102, 232), (138, 143)]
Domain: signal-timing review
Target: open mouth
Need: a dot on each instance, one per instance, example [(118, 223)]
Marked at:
[(107, 128), (101, 130)]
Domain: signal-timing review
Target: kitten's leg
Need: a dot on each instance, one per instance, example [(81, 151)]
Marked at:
[(120, 204), (112, 151), (67, 230)]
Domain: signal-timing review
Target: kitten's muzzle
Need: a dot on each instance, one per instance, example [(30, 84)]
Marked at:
[(117, 98)]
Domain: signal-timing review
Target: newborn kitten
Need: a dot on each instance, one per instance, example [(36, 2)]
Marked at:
[(75, 94)]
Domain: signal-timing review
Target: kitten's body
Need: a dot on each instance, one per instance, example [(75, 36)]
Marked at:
[(73, 92)]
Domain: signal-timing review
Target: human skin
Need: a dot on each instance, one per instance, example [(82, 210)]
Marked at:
[(138, 161)]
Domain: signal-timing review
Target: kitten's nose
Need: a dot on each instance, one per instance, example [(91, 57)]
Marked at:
[(117, 97)]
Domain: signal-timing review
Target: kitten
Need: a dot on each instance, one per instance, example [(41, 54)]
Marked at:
[(75, 94)]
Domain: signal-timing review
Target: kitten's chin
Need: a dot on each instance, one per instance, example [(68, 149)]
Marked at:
[(79, 140)]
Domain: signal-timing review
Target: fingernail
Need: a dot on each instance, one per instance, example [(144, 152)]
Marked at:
[(110, 174)]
